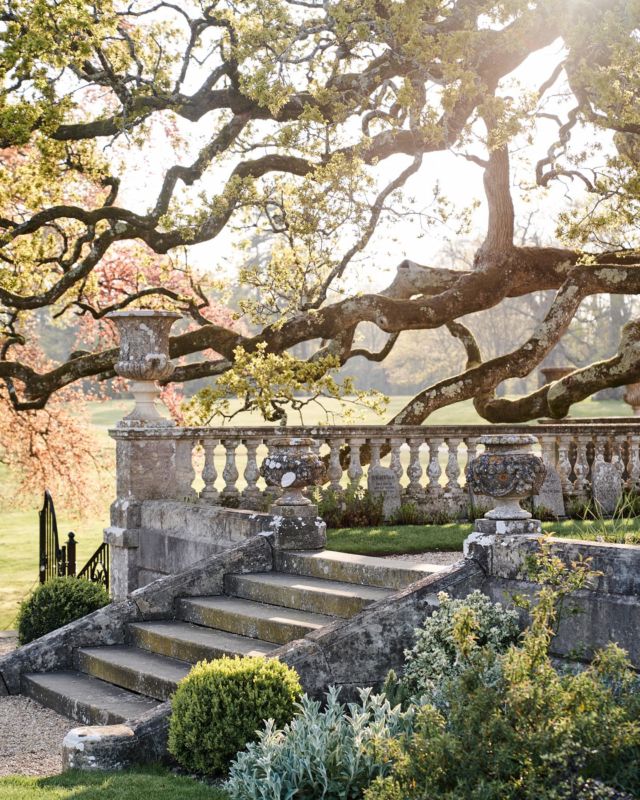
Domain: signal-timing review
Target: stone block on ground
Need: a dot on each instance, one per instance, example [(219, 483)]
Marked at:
[(383, 482), (607, 487), (550, 494)]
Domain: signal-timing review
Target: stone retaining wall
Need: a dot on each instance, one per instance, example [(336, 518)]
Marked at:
[(165, 537), (609, 611)]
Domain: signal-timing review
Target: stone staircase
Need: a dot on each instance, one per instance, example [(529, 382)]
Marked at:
[(258, 613)]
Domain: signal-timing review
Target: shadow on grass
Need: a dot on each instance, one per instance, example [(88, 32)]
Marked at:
[(152, 784)]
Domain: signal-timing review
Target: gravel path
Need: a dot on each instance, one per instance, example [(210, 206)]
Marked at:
[(443, 557), (30, 735)]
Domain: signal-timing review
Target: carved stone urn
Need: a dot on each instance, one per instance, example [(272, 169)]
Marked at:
[(632, 397), (292, 466), (551, 374), (508, 472), (144, 359)]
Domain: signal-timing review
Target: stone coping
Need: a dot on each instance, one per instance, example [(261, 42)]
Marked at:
[(626, 425)]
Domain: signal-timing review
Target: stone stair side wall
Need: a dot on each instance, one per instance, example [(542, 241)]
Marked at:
[(155, 538), (107, 626), (350, 653), (359, 652), (607, 611), (175, 535)]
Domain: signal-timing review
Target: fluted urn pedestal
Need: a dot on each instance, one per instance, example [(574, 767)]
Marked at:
[(144, 359), (292, 466), (507, 472)]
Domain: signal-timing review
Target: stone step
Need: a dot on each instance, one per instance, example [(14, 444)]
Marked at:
[(387, 573), (138, 670), (192, 643), (85, 699), (332, 598), (248, 618)]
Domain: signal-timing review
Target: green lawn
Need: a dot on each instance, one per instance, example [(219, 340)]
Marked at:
[(388, 540), (396, 540), (19, 526), (134, 785)]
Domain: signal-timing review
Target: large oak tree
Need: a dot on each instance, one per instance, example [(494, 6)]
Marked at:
[(310, 116)]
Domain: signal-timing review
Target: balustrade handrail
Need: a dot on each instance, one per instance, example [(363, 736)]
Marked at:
[(385, 431), (223, 464)]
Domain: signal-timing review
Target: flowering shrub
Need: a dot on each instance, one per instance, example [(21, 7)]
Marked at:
[(451, 635)]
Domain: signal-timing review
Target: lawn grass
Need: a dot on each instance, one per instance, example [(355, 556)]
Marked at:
[(388, 540), (130, 785)]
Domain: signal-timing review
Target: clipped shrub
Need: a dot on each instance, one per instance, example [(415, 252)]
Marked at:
[(328, 752), (219, 706), (437, 653), (56, 603)]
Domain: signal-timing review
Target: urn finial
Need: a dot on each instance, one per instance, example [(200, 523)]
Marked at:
[(508, 472), (144, 359)]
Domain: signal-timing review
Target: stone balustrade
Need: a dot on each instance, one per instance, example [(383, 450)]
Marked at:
[(221, 466)]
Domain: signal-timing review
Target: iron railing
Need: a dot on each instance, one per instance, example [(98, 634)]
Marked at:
[(58, 561), (96, 569)]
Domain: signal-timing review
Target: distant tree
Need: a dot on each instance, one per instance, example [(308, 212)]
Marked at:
[(296, 105)]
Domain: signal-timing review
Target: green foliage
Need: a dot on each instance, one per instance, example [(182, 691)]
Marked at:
[(220, 705), (451, 637), (528, 732), (56, 603), (407, 514), (328, 752), (271, 383), (355, 507)]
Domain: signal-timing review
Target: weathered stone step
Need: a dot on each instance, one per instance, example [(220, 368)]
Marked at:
[(306, 594), (249, 618), (138, 670), (193, 643), (363, 570), (85, 699)]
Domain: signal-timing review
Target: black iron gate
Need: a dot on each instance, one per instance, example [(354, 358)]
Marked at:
[(60, 561)]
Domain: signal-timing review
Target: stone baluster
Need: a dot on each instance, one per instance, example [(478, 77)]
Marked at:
[(618, 455), (395, 462), (334, 471), (209, 474), (414, 470), (375, 446), (473, 448), (600, 443), (230, 472), (355, 467), (185, 473), (581, 467), (453, 467), (564, 465), (634, 462), (548, 448), (434, 470), (252, 494)]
